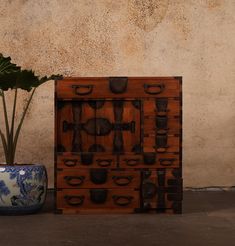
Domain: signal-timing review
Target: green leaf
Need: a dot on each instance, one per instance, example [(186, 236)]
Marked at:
[(12, 76), (6, 66)]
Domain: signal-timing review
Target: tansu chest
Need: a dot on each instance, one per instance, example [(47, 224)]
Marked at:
[(118, 145)]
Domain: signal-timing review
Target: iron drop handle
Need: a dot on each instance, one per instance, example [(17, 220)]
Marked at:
[(70, 162), (74, 180), (122, 200), (154, 89), (167, 161), (82, 90), (122, 180), (74, 200), (104, 162), (132, 162)]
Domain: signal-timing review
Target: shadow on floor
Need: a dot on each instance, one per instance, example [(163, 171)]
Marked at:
[(194, 201)]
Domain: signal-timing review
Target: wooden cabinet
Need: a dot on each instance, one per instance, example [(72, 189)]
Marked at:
[(118, 145)]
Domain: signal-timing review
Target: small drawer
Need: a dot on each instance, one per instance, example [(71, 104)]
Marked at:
[(162, 106), (164, 177), (72, 88), (161, 142), (162, 124), (86, 160), (149, 160), (82, 200), (97, 178)]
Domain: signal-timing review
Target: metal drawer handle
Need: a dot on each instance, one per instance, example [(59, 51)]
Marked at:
[(154, 89), (74, 180), (167, 161), (74, 200), (70, 162), (78, 89), (104, 162), (122, 180), (122, 200), (132, 162)]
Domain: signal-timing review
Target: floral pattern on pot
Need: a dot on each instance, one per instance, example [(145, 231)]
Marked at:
[(22, 186)]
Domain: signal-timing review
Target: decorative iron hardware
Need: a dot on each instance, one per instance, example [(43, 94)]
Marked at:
[(60, 148), (118, 145), (70, 162), (166, 161), (154, 89), (74, 180), (161, 122), (136, 104), (161, 104), (104, 162), (96, 104), (122, 180), (122, 200), (77, 139), (96, 148), (177, 172), (86, 159), (118, 85), (175, 182), (161, 141), (149, 158), (98, 196), (82, 90), (99, 126), (132, 162), (137, 148), (148, 190), (98, 175), (74, 200), (161, 175)]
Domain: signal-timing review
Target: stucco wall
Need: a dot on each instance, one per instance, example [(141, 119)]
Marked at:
[(191, 38)]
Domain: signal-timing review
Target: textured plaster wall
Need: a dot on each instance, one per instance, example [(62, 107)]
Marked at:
[(192, 38)]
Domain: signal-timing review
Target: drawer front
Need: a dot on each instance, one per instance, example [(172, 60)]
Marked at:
[(162, 124), (98, 178), (86, 160), (161, 143), (149, 160), (170, 178), (98, 199), (72, 88), (162, 107)]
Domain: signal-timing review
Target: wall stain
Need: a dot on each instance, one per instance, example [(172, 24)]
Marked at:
[(212, 4), (147, 14), (179, 19)]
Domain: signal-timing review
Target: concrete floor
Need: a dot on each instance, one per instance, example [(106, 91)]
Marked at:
[(208, 219)]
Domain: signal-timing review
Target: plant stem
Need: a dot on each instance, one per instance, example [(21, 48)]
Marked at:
[(11, 136), (21, 123), (5, 115), (4, 143)]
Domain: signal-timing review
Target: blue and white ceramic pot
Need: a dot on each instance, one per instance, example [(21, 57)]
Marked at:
[(22, 188)]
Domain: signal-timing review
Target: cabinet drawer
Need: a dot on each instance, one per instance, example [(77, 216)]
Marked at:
[(162, 106), (149, 160), (72, 88), (97, 178), (82, 200), (162, 124), (89, 160), (161, 143)]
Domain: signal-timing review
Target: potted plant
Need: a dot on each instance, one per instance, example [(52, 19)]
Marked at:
[(22, 186)]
